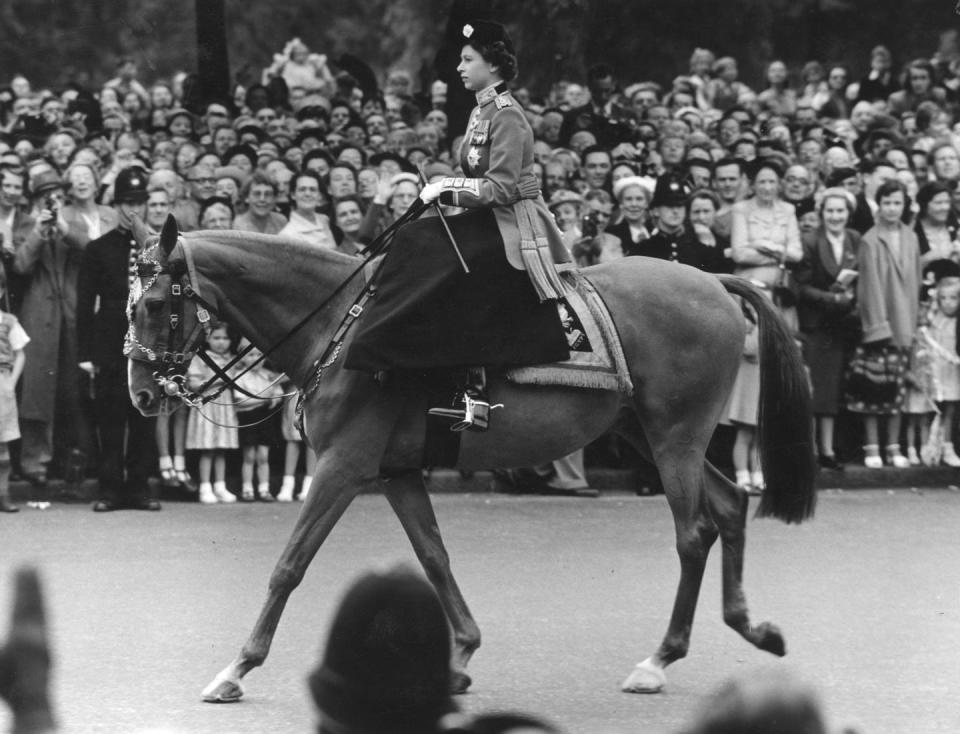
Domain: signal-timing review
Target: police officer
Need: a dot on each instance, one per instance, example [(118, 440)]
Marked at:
[(674, 238), (127, 447)]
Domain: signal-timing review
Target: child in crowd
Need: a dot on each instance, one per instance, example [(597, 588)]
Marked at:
[(171, 443), (257, 422), (12, 341), (742, 409), (942, 337), (212, 428), (294, 443)]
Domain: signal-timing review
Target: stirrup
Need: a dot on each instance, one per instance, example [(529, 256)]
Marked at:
[(476, 415)]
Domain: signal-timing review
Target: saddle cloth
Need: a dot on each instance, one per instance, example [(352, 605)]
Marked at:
[(596, 355)]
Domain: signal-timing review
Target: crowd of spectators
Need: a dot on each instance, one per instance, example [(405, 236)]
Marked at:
[(823, 173)]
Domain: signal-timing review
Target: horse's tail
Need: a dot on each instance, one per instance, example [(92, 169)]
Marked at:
[(785, 426)]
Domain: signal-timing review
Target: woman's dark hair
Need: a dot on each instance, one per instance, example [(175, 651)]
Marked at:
[(755, 166), (887, 188), (920, 65), (703, 194), (928, 192), (925, 114), (496, 54)]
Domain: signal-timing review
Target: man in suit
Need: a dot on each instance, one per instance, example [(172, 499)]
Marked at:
[(127, 446)]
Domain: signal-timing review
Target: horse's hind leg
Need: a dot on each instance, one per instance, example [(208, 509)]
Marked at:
[(680, 462), (728, 505), (410, 501)]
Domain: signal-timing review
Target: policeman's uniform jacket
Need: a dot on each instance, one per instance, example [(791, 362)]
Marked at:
[(496, 157), (102, 322)]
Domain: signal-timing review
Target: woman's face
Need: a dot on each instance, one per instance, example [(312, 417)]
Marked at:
[(835, 214), (342, 182), (349, 216), (160, 97), (777, 73), (808, 222), (306, 194), (339, 117), (633, 204), (891, 208), (567, 216), (404, 195), (766, 186), (227, 189), (939, 208), (837, 79), (702, 211), (367, 183), (919, 80), (224, 139), (474, 71), (61, 148), (216, 216), (83, 184), (186, 157)]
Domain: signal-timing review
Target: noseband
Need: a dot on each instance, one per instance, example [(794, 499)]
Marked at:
[(169, 360)]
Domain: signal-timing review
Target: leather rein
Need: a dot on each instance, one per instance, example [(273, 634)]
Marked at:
[(171, 362)]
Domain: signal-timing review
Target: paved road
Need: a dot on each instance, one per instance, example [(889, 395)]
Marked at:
[(570, 593)]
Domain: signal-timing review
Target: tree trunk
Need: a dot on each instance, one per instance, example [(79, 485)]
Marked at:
[(213, 64)]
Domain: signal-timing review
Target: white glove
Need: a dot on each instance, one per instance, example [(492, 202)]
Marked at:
[(431, 192)]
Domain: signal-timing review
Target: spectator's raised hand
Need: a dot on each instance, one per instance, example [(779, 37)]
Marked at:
[(25, 659)]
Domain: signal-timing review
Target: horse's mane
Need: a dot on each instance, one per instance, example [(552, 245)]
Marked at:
[(287, 245)]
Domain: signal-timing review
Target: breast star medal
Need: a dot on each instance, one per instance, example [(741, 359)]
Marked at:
[(473, 157)]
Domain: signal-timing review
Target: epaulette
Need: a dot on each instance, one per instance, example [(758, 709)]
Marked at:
[(503, 100)]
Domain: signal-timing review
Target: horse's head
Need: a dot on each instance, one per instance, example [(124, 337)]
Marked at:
[(165, 323)]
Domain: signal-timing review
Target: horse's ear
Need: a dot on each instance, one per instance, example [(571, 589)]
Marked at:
[(138, 231), (169, 234)]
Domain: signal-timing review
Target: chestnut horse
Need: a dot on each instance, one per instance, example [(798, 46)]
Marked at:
[(682, 336)]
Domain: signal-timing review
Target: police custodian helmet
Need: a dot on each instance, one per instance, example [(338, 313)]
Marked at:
[(130, 186)]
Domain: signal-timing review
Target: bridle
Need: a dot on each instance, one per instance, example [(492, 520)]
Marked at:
[(170, 362)]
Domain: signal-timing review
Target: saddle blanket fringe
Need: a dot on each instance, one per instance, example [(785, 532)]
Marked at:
[(603, 367)]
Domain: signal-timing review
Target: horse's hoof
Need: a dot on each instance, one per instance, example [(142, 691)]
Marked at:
[(645, 678), (770, 640), (459, 682), (222, 691)]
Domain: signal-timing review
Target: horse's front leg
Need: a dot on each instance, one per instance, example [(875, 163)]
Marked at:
[(329, 497), (347, 461), (408, 497)]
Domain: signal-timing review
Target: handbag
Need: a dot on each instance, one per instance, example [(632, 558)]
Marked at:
[(875, 377), (786, 291)]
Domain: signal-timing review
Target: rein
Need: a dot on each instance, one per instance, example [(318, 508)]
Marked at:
[(172, 365)]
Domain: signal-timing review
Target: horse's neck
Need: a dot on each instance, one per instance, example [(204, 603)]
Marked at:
[(265, 287)]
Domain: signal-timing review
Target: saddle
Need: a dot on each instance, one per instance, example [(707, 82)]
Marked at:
[(596, 355)]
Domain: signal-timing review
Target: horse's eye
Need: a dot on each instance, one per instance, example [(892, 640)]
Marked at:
[(154, 306)]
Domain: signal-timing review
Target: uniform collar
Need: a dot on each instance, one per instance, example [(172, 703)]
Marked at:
[(485, 96)]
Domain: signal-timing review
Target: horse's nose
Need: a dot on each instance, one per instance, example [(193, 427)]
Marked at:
[(144, 399)]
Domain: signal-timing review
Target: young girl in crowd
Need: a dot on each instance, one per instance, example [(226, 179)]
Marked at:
[(257, 425), (12, 341), (294, 444), (212, 428), (742, 411), (887, 291), (942, 334)]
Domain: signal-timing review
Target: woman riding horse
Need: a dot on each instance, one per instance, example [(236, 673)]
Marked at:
[(428, 312)]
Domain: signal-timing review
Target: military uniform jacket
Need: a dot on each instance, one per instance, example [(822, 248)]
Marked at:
[(496, 157), (102, 290)]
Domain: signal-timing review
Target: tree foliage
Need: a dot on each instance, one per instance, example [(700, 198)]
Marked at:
[(57, 41)]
